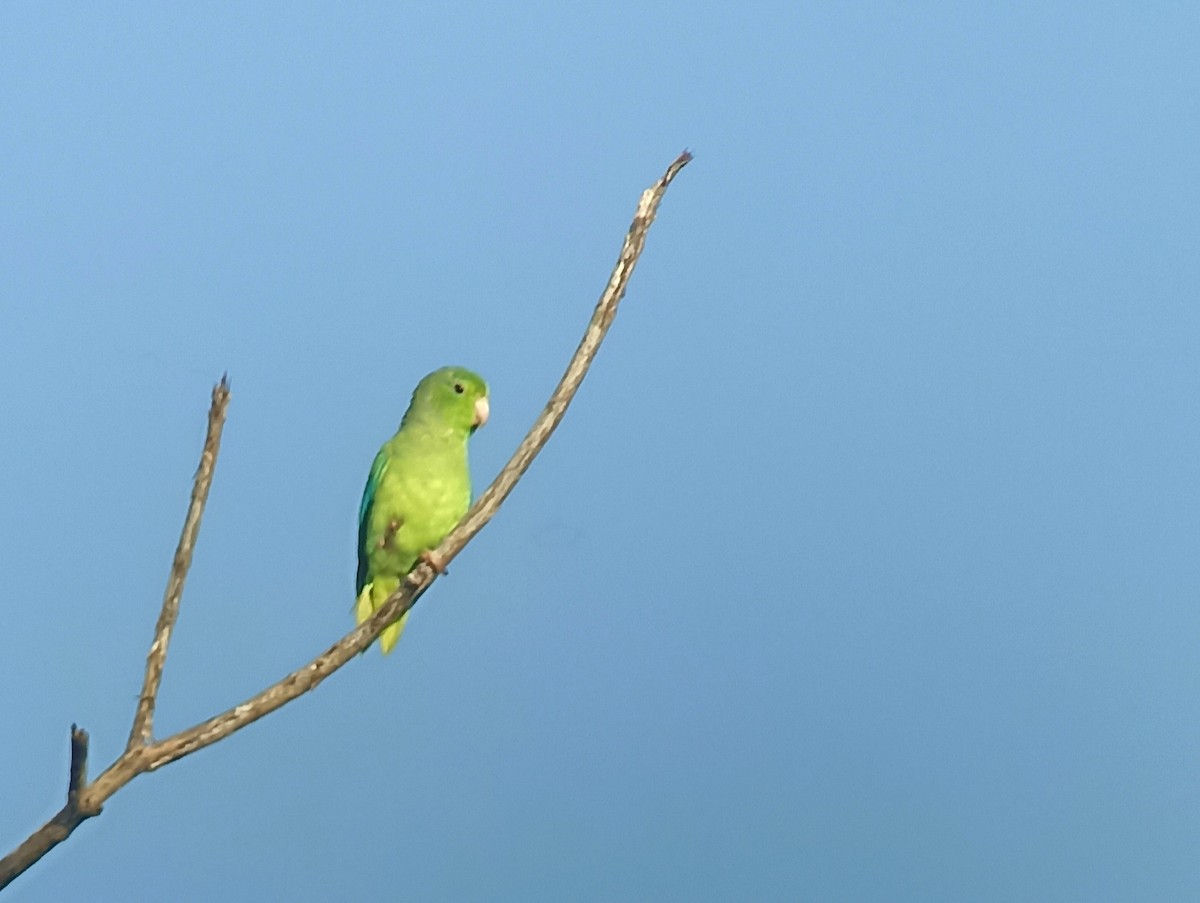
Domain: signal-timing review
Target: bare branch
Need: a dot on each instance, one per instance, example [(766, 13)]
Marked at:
[(142, 755), (143, 719), (485, 507)]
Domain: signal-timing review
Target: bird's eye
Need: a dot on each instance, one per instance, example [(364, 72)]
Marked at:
[(458, 387)]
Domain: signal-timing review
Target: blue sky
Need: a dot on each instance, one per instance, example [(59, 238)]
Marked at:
[(862, 569)]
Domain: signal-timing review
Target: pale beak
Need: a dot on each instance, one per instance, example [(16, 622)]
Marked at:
[(481, 412)]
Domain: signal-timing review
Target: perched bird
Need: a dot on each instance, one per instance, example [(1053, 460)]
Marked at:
[(419, 488)]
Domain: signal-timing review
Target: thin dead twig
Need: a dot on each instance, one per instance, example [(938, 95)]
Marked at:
[(143, 719)]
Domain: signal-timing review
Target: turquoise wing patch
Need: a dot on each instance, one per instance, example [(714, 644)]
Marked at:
[(364, 515)]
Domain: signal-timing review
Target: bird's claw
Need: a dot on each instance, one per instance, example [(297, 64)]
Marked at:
[(431, 559)]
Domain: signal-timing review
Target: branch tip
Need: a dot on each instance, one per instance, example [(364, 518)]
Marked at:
[(78, 773)]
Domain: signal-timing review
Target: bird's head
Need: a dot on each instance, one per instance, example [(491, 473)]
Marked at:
[(453, 395)]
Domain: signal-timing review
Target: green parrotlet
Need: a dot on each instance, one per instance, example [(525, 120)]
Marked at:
[(419, 488)]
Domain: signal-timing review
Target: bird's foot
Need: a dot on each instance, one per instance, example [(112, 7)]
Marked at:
[(435, 562)]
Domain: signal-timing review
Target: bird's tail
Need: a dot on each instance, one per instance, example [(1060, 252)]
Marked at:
[(373, 595)]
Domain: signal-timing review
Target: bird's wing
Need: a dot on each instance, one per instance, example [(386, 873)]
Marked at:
[(364, 514)]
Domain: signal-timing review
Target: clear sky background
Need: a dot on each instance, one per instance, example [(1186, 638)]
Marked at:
[(863, 568)]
